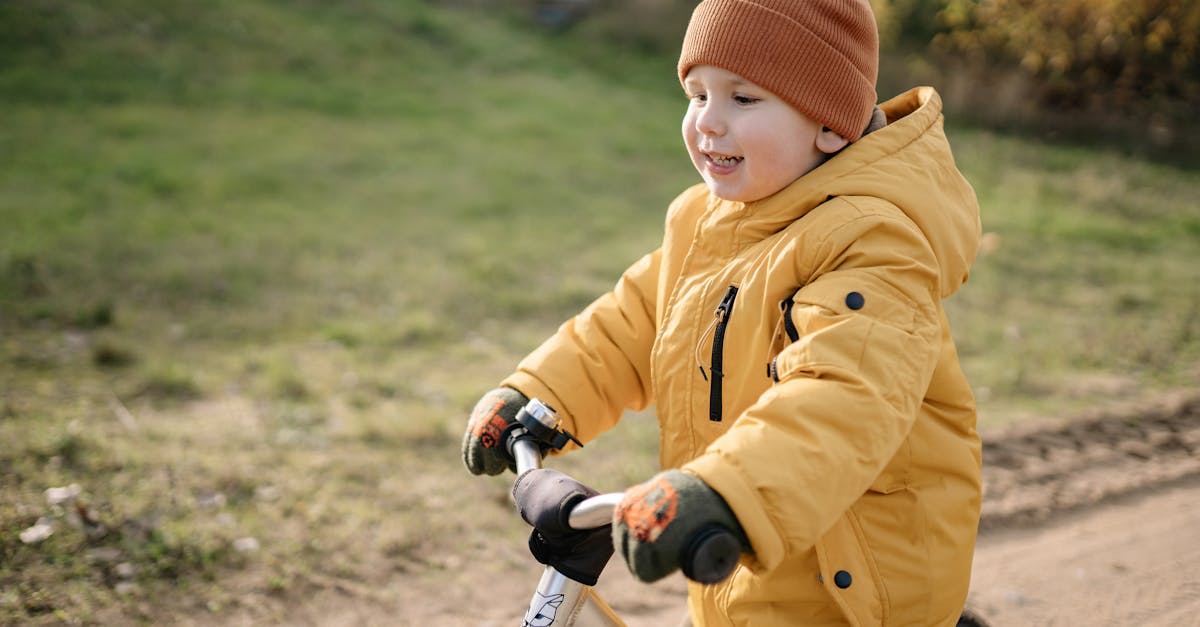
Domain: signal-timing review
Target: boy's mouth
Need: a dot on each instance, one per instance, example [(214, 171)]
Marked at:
[(723, 161)]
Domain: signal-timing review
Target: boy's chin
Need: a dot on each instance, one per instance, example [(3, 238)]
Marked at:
[(725, 192)]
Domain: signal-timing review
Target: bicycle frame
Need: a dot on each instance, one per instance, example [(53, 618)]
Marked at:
[(560, 601)]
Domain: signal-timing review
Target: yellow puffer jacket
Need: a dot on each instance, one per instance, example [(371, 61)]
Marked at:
[(829, 409)]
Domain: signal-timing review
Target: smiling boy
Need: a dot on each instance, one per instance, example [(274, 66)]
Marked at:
[(744, 141), (791, 333)]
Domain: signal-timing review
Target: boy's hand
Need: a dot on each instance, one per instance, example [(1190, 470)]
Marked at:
[(659, 523), (482, 449)]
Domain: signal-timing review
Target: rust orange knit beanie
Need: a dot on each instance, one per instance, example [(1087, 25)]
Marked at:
[(820, 56)]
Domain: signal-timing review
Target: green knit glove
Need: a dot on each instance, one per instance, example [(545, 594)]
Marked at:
[(482, 449), (665, 523)]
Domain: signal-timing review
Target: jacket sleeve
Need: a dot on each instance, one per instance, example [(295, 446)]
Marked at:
[(598, 363), (868, 332)]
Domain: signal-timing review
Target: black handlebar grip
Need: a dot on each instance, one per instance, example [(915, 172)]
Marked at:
[(711, 555)]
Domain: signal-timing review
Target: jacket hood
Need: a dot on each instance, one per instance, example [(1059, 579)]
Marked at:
[(908, 163)]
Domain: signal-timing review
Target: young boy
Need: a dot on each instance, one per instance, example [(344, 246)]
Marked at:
[(790, 330)]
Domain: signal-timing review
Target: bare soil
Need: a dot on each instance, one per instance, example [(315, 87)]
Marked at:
[(1085, 521), (1093, 521)]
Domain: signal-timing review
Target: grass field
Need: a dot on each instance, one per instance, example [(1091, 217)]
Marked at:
[(257, 260)]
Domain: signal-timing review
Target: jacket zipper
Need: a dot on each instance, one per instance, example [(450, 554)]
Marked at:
[(723, 313), (785, 308), (788, 325)]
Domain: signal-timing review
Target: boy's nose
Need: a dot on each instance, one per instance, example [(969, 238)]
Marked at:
[(709, 121)]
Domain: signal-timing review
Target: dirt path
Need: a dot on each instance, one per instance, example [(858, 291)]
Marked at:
[(1093, 521), (1135, 561), (1037, 472), (1086, 521)]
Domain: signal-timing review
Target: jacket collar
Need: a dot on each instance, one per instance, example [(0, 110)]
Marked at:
[(908, 163)]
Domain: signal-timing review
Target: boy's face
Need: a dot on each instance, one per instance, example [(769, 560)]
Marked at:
[(746, 142)]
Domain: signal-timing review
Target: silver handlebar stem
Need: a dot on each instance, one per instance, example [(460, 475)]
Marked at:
[(527, 454)]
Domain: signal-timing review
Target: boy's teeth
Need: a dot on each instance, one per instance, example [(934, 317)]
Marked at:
[(725, 161)]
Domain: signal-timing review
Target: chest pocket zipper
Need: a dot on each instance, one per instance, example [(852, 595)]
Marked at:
[(723, 313), (788, 325), (785, 308)]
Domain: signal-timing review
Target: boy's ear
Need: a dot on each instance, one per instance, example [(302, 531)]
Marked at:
[(829, 142)]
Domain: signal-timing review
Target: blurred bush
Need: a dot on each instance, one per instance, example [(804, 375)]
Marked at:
[(1097, 57)]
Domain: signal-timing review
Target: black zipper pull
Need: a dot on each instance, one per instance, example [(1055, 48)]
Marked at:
[(723, 313), (789, 326)]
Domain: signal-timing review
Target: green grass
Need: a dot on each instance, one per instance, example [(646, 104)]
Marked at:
[(259, 259), (1092, 295)]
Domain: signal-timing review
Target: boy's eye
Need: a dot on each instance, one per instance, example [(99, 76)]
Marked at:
[(745, 100), (699, 97)]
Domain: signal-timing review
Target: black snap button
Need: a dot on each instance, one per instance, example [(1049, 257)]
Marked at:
[(855, 301), (842, 579)]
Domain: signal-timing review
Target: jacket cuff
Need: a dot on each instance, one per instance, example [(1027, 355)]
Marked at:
[(723, 475)]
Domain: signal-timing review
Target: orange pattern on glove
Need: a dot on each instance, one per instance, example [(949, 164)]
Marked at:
[(648, 508), (486, 422)]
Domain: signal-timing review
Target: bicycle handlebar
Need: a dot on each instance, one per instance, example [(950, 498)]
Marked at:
[(709, 558), (596, 511)]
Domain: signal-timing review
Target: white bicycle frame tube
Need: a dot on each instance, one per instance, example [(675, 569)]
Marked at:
[(559, 600)]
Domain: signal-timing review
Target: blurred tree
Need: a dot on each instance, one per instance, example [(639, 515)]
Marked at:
[(1122, 56)]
